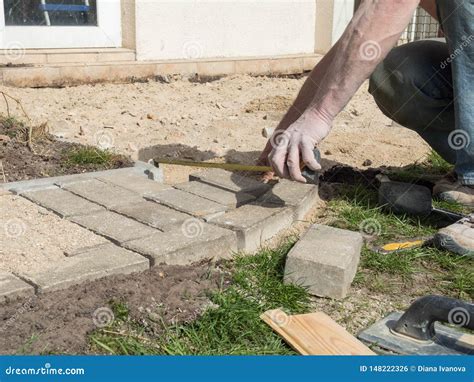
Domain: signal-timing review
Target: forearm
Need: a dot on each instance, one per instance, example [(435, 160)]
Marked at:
[(372, 33)]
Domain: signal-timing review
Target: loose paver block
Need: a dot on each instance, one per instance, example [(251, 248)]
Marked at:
[(12, 287), (300, 196), (324, 261), (114, 226), (188, 203), (193, 242), (231, 181), (219, 195), (62, 202), (254, 224), (101, 261), (135, 183), (105, 194), (153, 214)]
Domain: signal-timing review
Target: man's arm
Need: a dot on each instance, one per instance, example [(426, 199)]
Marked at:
[(372, 33)]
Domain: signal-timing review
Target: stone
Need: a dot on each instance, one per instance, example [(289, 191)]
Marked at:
[(231, 181), (62, 202), (225, 197), (113, 226), (302, 197), (188, 203), (324, 261), (11, 287), (194, 241), (254, 224), (96, 263), (135, 183), (153, 214), (105, 194)]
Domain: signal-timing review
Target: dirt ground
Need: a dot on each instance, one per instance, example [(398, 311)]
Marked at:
[(58, 322), (223, 118)]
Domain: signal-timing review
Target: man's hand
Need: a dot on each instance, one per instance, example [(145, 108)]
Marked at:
[(295, 145)]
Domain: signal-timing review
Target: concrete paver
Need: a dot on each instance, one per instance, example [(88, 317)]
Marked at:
[(219, 195), (11, 287), (99, 262), (324, 261)]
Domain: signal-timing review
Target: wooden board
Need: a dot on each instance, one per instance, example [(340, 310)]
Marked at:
[(314, 334)]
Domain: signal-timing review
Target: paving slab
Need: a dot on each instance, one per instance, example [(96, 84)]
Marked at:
[(11, 287), (230, 181), (195, 241), (63, 203), (188, 203), (301, 197), (324, 261), (153, 214), (254, 224), (219, 195), (114, 226), (105, 194), (101, 261), (135, 183)]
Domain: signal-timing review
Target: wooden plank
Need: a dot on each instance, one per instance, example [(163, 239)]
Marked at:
[(314, 334)]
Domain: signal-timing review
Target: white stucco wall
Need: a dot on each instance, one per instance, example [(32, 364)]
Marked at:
[(343, 12), (182, 29)]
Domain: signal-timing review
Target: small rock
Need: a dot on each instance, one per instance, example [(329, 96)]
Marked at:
[(5, 138), (328, 152), (151, 116), (367, 162)]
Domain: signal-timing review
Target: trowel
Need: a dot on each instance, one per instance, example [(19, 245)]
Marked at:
[(411, 199), (432, 325)]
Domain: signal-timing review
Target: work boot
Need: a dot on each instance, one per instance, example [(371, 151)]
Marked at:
[(451, 189), (458, 237)]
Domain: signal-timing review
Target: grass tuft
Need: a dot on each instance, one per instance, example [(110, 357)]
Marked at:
[(89, 155)]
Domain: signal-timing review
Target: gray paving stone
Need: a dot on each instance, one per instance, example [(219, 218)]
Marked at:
[(114, 226), (188, 203), (62, 202), (101, 261), (254, 224), (300, 196), (216, 194), (105, 194), (11, 287), (231, 181), (324, 260), (195, 241), (153, 214), (135, 183)]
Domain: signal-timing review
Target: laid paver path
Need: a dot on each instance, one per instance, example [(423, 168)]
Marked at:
[(62, 231)]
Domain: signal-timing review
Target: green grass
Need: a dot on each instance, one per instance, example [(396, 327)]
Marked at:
[(89, 156), (431, 168), (232, 328)]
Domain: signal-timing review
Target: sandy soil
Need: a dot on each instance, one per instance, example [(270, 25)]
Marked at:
[(34, 238), (213, 119)]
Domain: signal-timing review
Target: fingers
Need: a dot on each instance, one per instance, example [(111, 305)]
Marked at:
[(293, 163), (307, 155), (278, 161), (267, 176)]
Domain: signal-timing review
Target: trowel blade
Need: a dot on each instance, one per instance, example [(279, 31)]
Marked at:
[(448, 341)]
